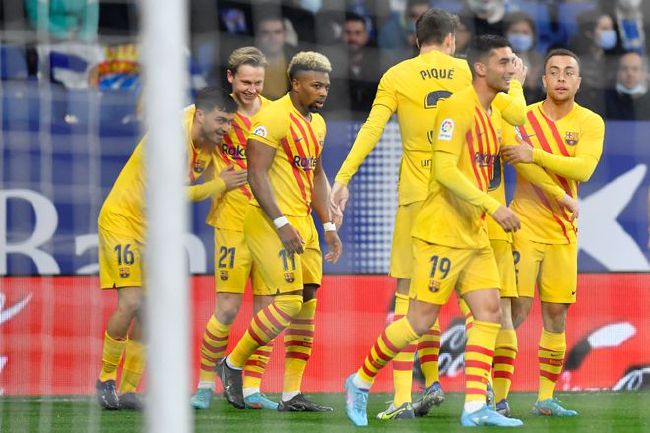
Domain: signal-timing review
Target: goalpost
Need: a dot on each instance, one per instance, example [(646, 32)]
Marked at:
[(167, 315)]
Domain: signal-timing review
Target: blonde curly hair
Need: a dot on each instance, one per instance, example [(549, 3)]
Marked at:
[(308, 61)]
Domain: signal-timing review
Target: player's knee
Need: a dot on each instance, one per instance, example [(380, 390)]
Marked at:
[(520, 310), (130, 304), (489, 312), (227, 308), (290, 305), (309, 292)]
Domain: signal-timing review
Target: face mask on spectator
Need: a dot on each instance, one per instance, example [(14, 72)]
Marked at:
[(520, 42), (482, 8), (639, 89), (312, 6), (607, 39)]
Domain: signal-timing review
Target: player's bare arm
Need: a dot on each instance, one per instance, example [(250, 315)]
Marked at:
[(338, 199), (320, 204), (260, 157)]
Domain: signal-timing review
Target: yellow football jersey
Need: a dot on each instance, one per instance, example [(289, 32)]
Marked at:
[(466, 132), (123, 211), (412, 89), (298, 143), (497, 188), (228, 211), (578, 135)]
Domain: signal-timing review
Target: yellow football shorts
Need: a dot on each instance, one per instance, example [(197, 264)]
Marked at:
[(280, 272), (401, 258), (440, 269), (233, 264), (553, 267), (506, 265), (120, 260)]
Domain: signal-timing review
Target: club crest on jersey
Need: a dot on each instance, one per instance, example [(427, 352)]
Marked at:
[(125, 272), (446, 130), (223, 275), (434, 285), (198, 166), (260, 131), (571, 138), (289, 277)]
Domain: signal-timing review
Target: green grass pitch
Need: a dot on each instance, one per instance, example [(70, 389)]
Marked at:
[(599, 412)]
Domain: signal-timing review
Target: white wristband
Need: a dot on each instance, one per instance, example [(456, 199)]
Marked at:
[(280, 222), (329, 227)]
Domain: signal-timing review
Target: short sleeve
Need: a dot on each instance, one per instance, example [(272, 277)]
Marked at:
[(268, 127)]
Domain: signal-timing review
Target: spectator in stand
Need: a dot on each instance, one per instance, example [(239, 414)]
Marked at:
[(301, 14), (398, 34), (632, 27), (358, 70), (521, 32), (630, 99), (271, 38), (488, 16), (463, 35), (65, 19), (596, 43)]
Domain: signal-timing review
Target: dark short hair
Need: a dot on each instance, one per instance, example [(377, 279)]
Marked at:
[(267, 13), (211, 97), (434, 25), (516, 17), (560, 52), (481, 47), (411, 3), (351, 16)]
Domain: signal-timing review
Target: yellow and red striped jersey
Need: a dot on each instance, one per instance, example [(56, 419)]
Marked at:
[(298, 143), (123, 211), (580, 133), (464, 130), (228, 211)]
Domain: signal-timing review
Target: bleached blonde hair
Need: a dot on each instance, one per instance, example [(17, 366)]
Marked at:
[(308, 61)]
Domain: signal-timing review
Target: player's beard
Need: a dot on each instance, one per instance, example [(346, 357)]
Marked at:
[(313, 108)]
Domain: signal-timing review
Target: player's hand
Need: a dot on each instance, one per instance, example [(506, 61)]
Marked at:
[(571, 204), (520, 70), (291, 239), (334, 246), (337, 201), (507, 219), (520, 153), (233, 178)]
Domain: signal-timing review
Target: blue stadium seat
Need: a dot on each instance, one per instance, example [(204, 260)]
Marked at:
[(20, 104), (13, 65), (117, 109), (567, 14), (25, 105), (82, 107), (454, 6)]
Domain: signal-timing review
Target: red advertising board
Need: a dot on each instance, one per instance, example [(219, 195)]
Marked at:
[(51, 331)]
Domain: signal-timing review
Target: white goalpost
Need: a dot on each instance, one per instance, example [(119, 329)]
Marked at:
[(167, 312)]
